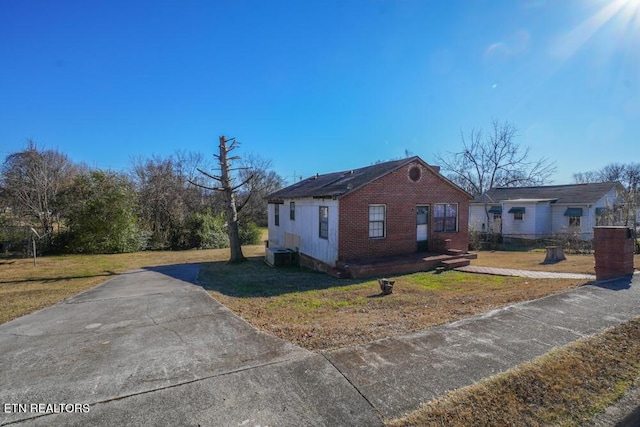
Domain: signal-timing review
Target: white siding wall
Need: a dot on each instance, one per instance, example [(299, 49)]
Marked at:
[(561, 222), (543, 220), (517, 228), (306, 228), (477, 217)]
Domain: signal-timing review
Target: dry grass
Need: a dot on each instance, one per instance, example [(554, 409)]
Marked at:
[(565, 387), (532, 260), (317, 311), (25, 288)]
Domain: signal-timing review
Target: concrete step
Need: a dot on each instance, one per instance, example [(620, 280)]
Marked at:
[(338, 273), (450, 264)]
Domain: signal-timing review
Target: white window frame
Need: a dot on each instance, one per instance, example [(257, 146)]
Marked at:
[(377, 230), (323, 232), (444, 218)]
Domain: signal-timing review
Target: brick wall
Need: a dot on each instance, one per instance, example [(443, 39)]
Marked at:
[(613, 252), (400, 195)]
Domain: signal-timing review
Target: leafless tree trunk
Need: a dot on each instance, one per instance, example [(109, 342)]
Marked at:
[(228, 189)]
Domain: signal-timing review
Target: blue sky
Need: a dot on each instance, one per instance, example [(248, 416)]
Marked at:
[(320, 86)]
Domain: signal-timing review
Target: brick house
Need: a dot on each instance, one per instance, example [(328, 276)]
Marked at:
[(387, 209)]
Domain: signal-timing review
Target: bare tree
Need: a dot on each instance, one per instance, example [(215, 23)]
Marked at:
[(33, 181), (229, 190), (263, 182), (494, 159), (627, 174), (165, 196)]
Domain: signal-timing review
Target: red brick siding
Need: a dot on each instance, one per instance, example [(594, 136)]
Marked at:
[(613, 252), (400, 195)]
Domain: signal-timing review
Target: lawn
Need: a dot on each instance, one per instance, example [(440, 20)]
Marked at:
[(319, 312), (25, 288), (532, 260), (566, 387)]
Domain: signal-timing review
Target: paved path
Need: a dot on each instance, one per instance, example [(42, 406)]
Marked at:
[(524, 273), (398, 374), (150, 348)]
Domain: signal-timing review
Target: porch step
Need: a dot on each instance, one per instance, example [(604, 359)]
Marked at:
[(338, 273), (450, 264)]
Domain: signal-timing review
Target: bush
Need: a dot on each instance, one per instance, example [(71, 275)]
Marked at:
[(101, 217), (207, 231), (250, 233), (13, 239)]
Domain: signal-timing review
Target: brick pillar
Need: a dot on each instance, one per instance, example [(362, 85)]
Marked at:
[(613, 251)]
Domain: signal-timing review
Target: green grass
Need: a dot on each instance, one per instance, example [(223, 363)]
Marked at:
[(318, 311), (25, 288)]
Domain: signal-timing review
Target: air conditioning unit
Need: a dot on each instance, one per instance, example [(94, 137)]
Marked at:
[(278, 256)]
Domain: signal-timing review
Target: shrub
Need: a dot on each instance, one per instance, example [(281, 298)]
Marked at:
[(250, 233), (207, 231)]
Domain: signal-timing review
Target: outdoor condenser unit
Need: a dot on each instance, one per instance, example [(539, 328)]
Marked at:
[(278, 256)]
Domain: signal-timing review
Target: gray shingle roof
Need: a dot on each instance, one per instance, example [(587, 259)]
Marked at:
[(337, 184), (571, 193)]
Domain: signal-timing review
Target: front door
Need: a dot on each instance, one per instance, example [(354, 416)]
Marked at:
[(422, 228)]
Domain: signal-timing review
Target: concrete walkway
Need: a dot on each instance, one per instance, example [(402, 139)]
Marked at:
[(524, 273), (397, 374), (151, 348)]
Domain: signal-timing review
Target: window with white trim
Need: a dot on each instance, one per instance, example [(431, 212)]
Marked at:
[(377, 221), (323, 228), (445, 217), (276, 214)]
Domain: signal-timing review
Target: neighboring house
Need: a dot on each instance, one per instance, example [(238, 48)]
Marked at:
[(392, 208), (539, 212)]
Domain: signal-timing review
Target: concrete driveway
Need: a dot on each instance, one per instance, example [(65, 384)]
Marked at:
[(152, 348)]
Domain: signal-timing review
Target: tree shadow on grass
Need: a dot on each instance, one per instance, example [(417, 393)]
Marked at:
[(255, 279)]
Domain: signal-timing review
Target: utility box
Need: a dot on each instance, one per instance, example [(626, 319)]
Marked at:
[(276, 257), (613, 252)]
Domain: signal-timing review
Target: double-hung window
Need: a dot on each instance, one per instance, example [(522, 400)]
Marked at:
[(377, 220), (324, 222), (276, 214), (292, 211), (445, 217)]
